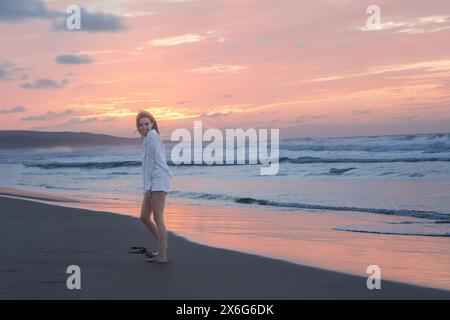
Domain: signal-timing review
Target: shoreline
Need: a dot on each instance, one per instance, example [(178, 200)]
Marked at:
[(304, 237), (52, 237)]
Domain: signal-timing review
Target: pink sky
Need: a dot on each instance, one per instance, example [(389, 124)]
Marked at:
[(309, 68)]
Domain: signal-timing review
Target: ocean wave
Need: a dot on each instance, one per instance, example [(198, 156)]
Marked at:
[(306, 160), (247, 200), (429, 229), (46, 186), (428, 144), (340, 170), (298, 160), (84, 165), (327, 146), (432, 136), (121, 173), (108, 165), (437, 147), (58, 187)]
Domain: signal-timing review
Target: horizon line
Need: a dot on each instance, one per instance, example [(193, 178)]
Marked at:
[(292, 138)]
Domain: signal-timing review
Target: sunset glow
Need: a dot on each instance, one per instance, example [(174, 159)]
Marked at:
[(310, 68)]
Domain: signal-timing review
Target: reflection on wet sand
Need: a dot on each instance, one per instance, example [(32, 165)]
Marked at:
[(303, 236)]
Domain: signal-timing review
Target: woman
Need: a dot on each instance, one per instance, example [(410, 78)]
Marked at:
[(156, 178)]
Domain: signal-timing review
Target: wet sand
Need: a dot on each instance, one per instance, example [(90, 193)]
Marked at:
[(39, 241)]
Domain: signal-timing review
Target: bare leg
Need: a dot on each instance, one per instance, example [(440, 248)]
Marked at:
[(158, 200), (146, 213)]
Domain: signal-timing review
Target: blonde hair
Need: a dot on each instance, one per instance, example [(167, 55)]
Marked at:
[(145, 114)]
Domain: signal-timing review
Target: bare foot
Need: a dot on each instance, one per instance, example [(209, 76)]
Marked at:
[(154, 253)]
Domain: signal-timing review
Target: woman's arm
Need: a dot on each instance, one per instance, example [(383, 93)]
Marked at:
[(149, 159)]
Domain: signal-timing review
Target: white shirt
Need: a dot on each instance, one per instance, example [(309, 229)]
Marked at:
[(154, 164)]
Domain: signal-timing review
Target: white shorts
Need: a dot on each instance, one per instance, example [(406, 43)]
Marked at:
[(160, 185)]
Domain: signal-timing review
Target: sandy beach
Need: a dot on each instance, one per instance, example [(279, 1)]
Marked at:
[(299, 160), (39, 241)]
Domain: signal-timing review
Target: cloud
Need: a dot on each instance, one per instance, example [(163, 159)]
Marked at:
[(73, 59), (261, 39), (219, 68), (177, 40), (319, 116), (308, 118), (297, 120), (13, 110), (44, 83), (5, 70), (50, 115), (406, 117), (138, 13), (173, 41), (216, 115), (361, 111), (93, 22), (20, 10), (108, 119), (428, 66), (417, 25), (76, 121), (8, 71), (268, 112)]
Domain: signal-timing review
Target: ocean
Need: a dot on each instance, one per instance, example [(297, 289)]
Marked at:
[(401, 175)]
